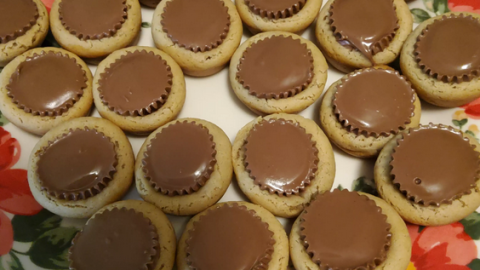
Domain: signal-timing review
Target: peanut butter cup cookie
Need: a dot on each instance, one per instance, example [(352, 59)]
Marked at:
[(278, 72), (442, 59), (80, 166), (279, 15), (184, 167), (23, 25), (125, 235), (233, 235), (363, 33), (430, 175), (93, 28), (45, 87), (200, 35), (281, 161), (349, 230), (139, 89), (365, 109)]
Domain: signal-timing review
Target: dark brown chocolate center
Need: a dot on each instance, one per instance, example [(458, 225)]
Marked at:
[(374, 101), (280, 156), (345, 230), (47, 84), (78, 165), (199, 25), (180, 159), (275, 9), (138, 83), (150, 3), (93, 19), (276, 67), (367, 25), (229, 237), (449, 49), (434, 165), (117, 239), (16, 18)]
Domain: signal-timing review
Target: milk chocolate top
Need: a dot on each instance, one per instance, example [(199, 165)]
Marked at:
[(199, 25), (280, 156), (180, 159), (150, 3), (278, 9), (136, 84), (47, 84), (449, 49), (120, 239), (93, 19), (434, 165), (366, 25), (276, 67), (77, 165), (345, 230), (229, 237), (16, 18), (374, 102)]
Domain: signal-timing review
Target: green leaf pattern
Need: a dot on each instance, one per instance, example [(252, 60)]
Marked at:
[(50, 250), (3, 120), (419, 15)]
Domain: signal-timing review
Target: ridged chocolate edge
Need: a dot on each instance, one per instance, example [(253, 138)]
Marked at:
[(372, 265), (287, 94), (200, 182), (21, 32), (358, 130), (420, 201), (305, 182), (152, 107), (89, 192), (65, 107), (281, 14)]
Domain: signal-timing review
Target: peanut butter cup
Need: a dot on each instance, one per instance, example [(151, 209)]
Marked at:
[(77, 165), (16, 18), (434, 165), (449, 49), (275, 67), (278, 9), (198, 26), (121, 239), (47, 84), (136, 84), (229, 237), (280, 156), (374, 102), (369, 31), (180, 159), (345, 230), (92, 19)]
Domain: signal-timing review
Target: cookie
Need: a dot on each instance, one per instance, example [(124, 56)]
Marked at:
[(442, 60), (233, 235), (80, 166), (45, 87), (342, 32), (430, 175), (349, 230), (200, 35), (92, 29), (24, 25), (284, 15), (184, 167), (139, 89), (281, 161), (362, 111), (278, 72), (124, 235)]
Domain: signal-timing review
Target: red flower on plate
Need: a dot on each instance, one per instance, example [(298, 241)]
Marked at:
[(48, 4), (472, 109), (464, 5), (15, 195), (441, 248)]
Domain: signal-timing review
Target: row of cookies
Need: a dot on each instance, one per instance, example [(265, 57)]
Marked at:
[(330, 233)]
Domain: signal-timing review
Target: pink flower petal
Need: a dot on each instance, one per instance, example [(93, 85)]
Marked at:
[(15, 194), (6, 234), (9, 150)]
